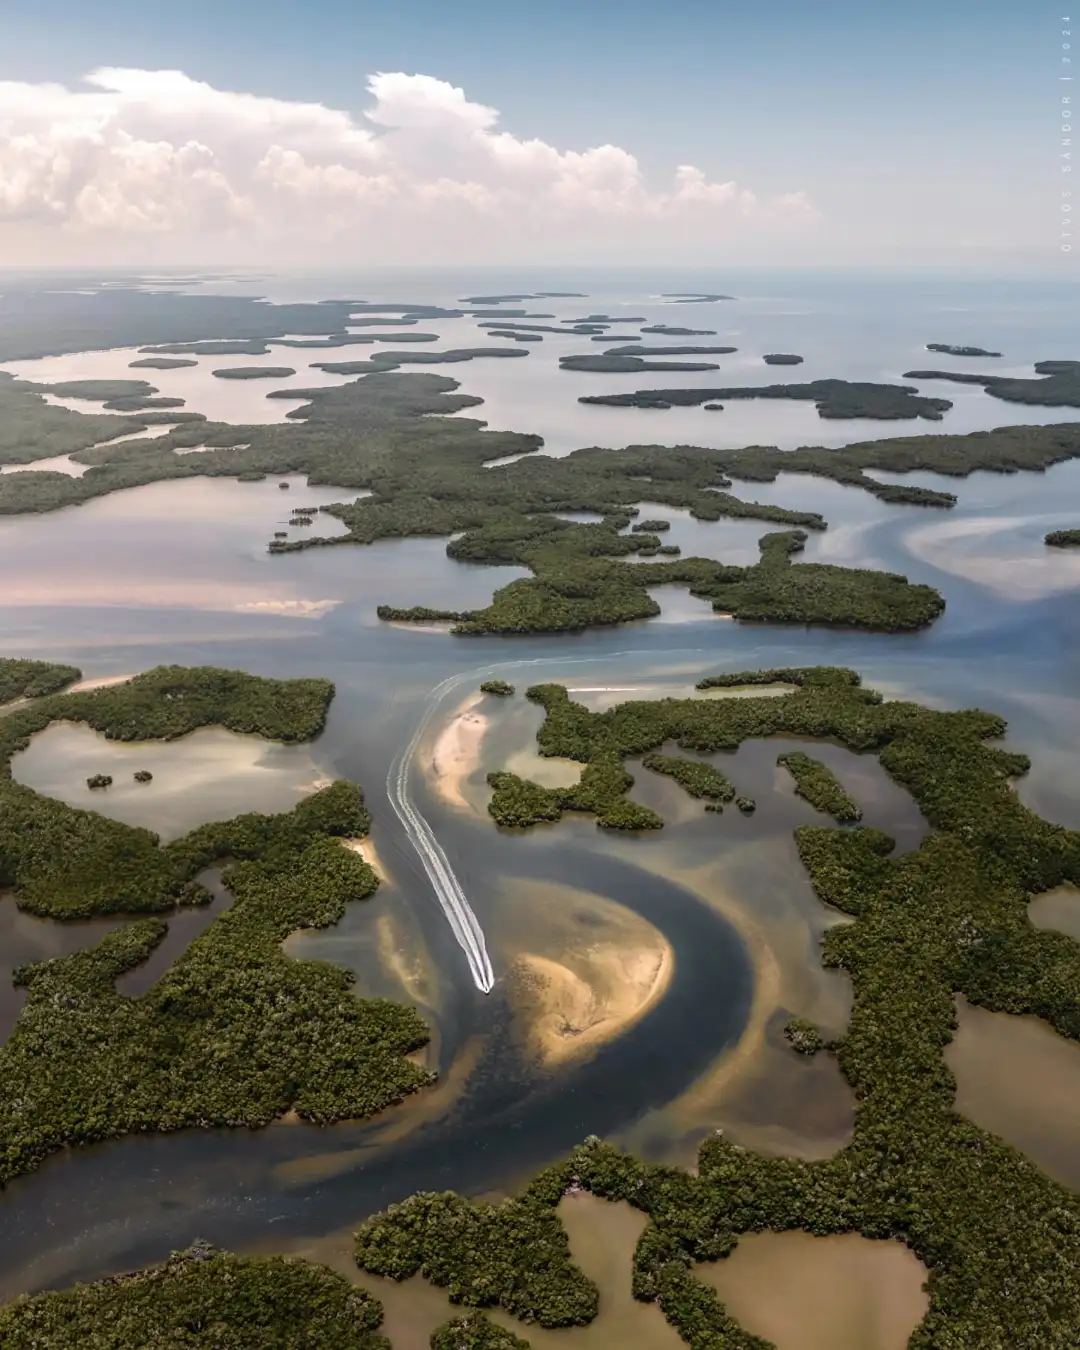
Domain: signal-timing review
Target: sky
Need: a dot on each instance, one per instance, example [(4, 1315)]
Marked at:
[(567, 131)]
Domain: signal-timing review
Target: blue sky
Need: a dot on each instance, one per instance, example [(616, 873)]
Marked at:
[(929, 125)]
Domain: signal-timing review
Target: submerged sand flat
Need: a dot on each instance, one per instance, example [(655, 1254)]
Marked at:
[(759, 1091), (822, 1293), (1019, 1078), (1006, 554)]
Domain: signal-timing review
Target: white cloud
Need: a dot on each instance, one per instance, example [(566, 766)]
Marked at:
[(139, 155)]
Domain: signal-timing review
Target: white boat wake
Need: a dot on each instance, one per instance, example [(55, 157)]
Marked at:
[(455, 905), (463, 922)]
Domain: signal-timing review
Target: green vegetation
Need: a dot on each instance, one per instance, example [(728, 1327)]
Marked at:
[(381, 362), (513, 1255), (803, 1036), (427, 475), (253, 372), (99, 390), (820, 787), (958, 351), (475, 1332), (667, 330), (235, 1032), (782, 359), (1063, 539), (141, 403), (203, 1297), (574, 330), (499, 687), (38, 321), (1059, 386), (143, 776), (637, 350), (609, 363), (215, 347), (160, 363), (694, 297), (65, 863), (32, 429), (833, 398), (1000, 1238), (579, 583), (695, 777), (525, 295), (99, 780), (650, 526), (33, 679)]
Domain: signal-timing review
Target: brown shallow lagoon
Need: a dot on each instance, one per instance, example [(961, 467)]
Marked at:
[(1017, 1077), (822, 1293)]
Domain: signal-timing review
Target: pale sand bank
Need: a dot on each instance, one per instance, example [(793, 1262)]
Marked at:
[(581, 968), (573, 1013), (99, 682), (456, 753)]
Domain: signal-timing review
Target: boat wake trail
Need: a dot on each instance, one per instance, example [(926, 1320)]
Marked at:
[(463, 922)]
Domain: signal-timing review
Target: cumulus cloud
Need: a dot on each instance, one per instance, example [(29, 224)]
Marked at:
[(137, 154)]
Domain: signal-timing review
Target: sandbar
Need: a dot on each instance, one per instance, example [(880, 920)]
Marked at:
[(456, 753), (573, 1014)]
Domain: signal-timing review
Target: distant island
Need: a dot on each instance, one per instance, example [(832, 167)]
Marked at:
[(834, 398), (514, 299), (638, 350), (693, 297), (958, 351), (782, 359), (160, 363), (612, 363), (253, 372), (1063, 539), (388, 361), (669, 331), (1059, 386)]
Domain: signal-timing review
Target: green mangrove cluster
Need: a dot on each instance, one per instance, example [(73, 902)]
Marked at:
[(819, 786), (579, 581), (1063, 538), (202, 1297), (235, 1032), (1059, 385), (20, 678), (1000, 1239), (832, 398), (66, 863)]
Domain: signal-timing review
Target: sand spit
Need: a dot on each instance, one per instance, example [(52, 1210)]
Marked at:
[(573, 1013), (99, 682), (582, 969), (455, 756)]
